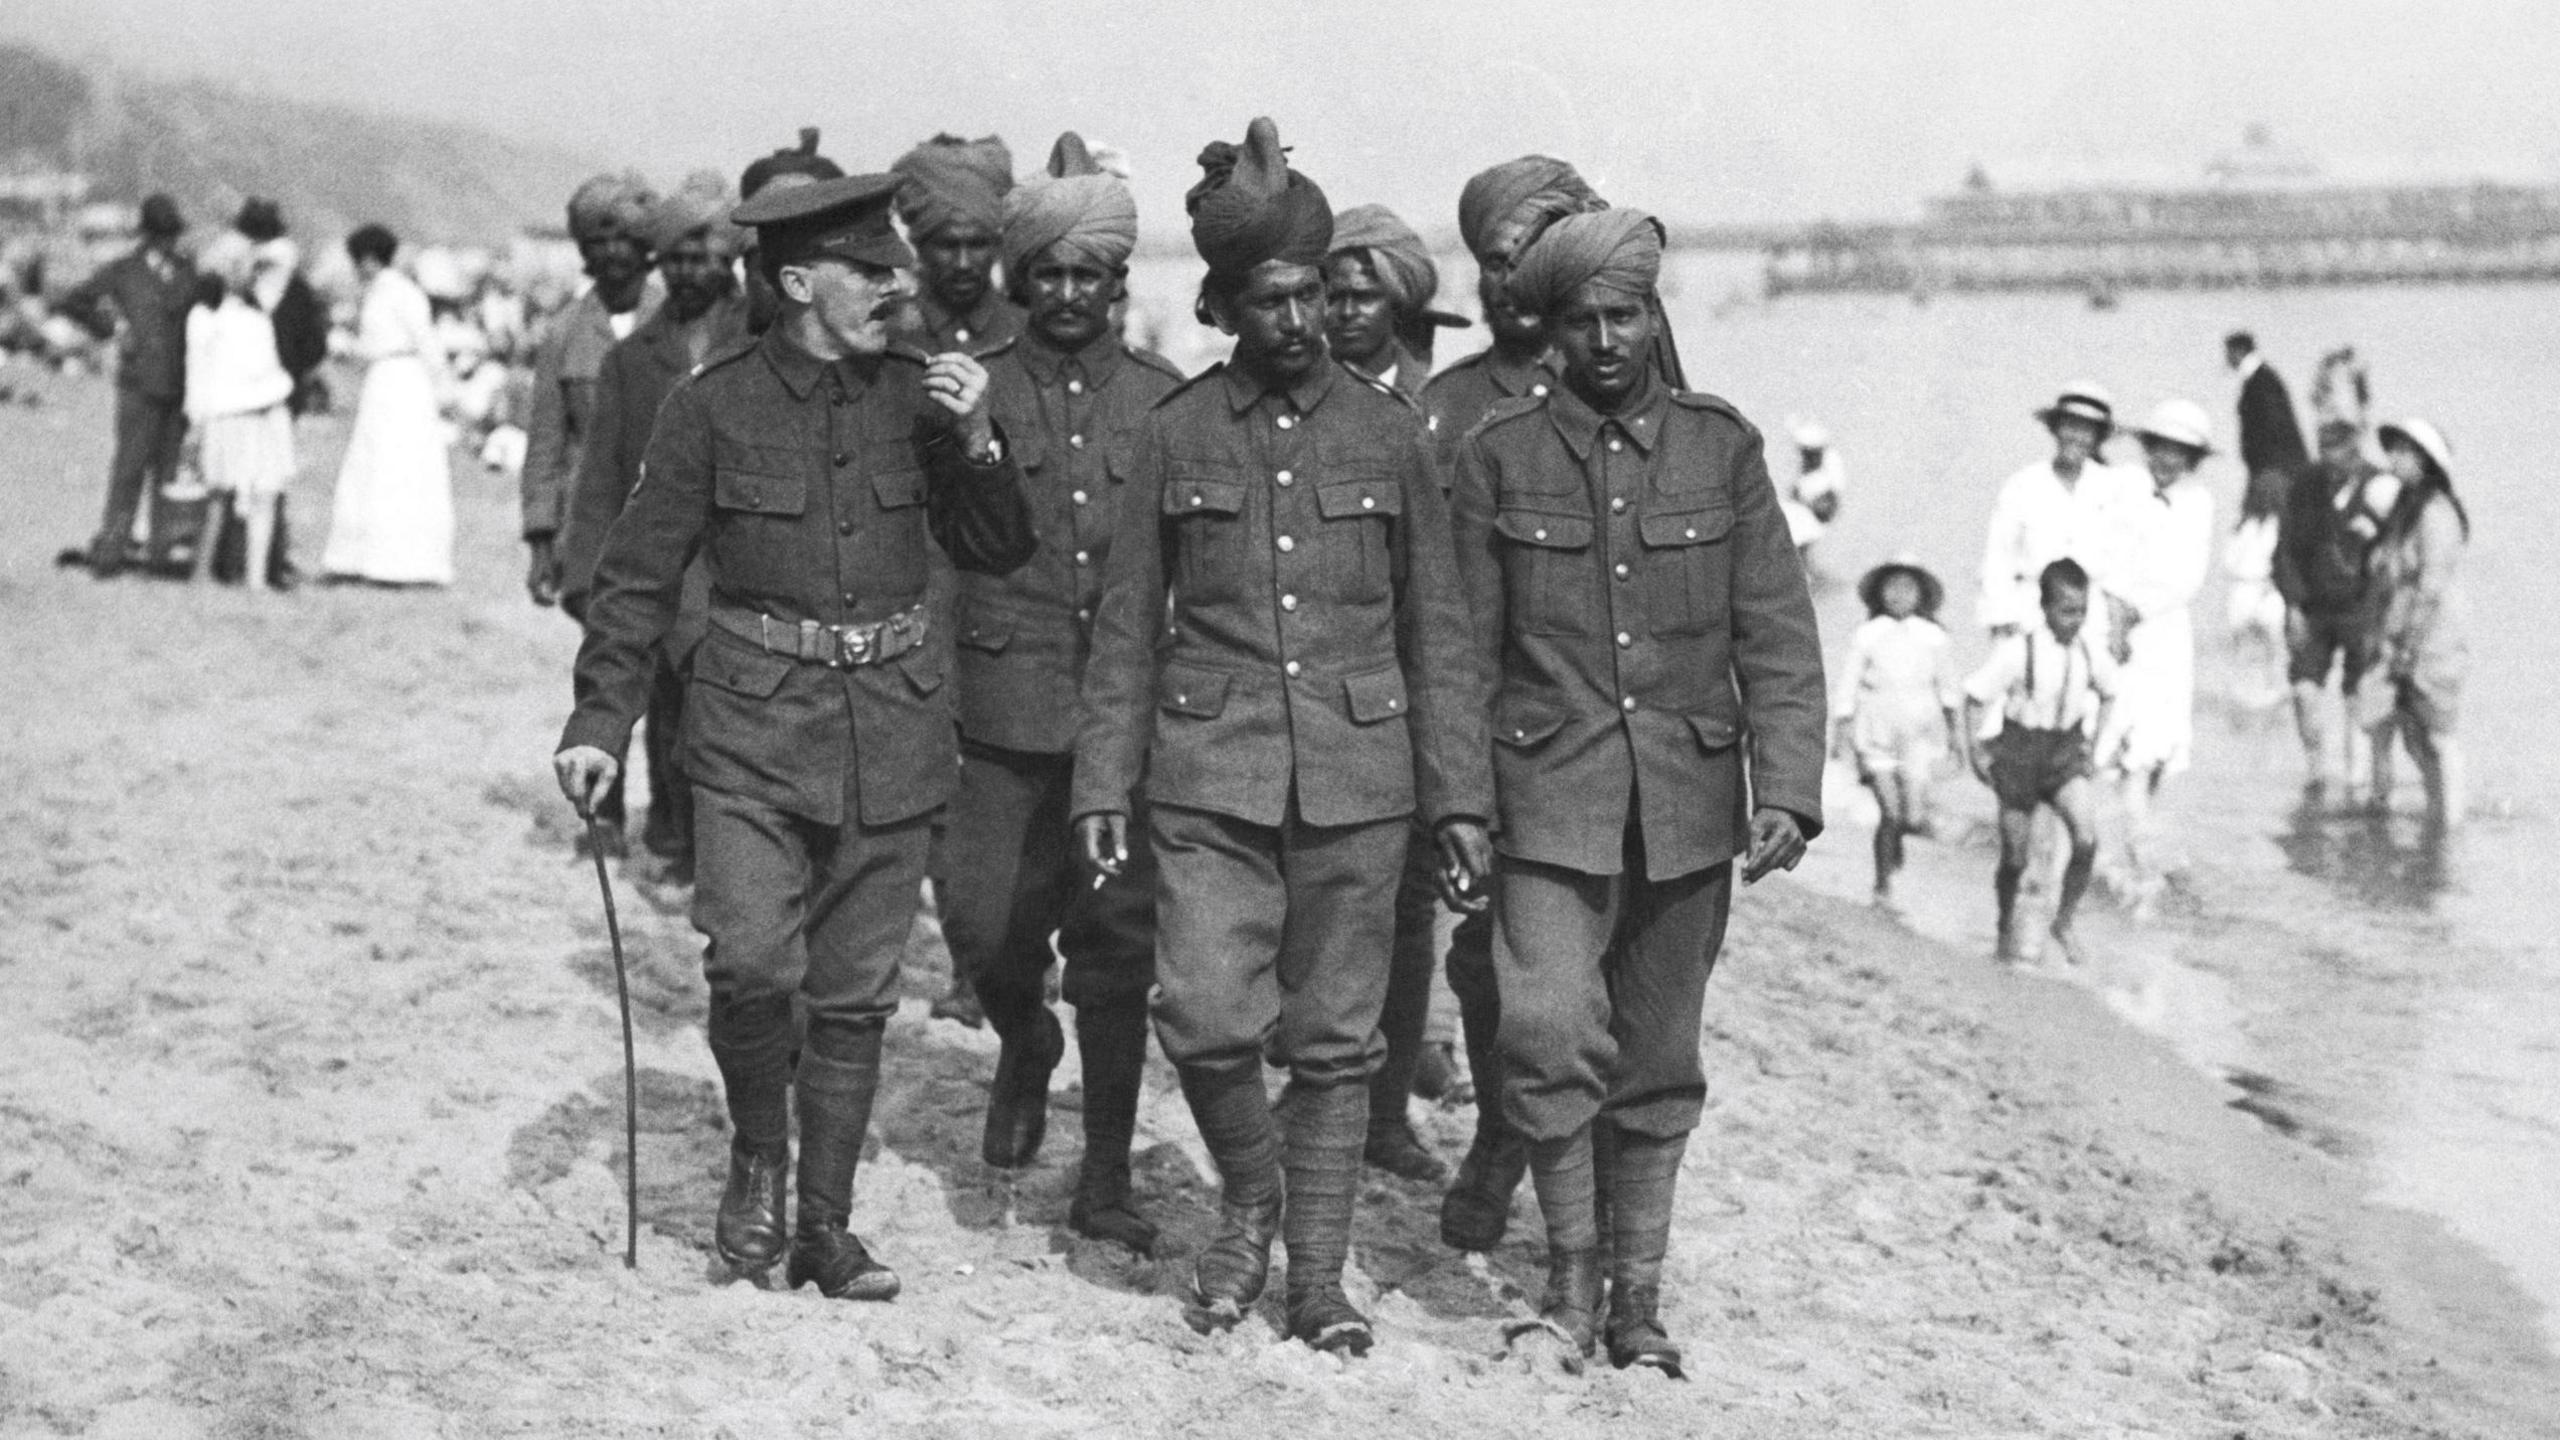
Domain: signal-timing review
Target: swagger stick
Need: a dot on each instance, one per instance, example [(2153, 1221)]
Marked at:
[(630, 1064)]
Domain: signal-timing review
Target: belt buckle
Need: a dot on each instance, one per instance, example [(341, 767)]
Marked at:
[(855, 644)]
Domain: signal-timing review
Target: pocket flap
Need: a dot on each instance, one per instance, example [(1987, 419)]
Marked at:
[(1522, 724), (1029, 444), (1350, 499), (1120, 455), (1203, 497), (923, 667), (751, 673), (897, 477), (1555, 532), (1190, 690), (1378, 695), (1715, 732), (988, 633), (1685, 527), (758, 492)]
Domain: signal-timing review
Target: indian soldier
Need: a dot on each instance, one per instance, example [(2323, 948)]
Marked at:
[(703, 314), (1277, 673), (1639, 621), (608, 218), (142, 297), (1070, 397), (815, 470), (1379, 285), (1498, 210), (952, 201)]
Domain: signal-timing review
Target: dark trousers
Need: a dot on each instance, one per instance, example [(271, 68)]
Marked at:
[(1604, 985), (1272, 940), (789, 906), (149, 433), (1013, 880), (670, 795)]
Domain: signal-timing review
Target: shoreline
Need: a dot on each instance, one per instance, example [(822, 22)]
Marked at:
[(310, 1091)]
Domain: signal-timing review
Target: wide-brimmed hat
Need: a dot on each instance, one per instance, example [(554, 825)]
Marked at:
[(2083, 400), (2179, 422), (2429, 440), (1871, 586), (1808, 434)]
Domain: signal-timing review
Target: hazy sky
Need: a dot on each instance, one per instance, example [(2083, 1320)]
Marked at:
[(1705, 110)]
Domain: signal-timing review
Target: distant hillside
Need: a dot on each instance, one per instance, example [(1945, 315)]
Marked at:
[(331, 167)]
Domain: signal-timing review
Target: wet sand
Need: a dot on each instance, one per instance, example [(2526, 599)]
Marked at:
[(310, 1124)]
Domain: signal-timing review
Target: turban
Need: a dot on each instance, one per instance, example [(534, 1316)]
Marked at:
[(948, 179), (803, 162), (1619, 249), (1533, 183), (1250, 207), (1402, 261), (610, 205), (1075, 203), (701, 203)]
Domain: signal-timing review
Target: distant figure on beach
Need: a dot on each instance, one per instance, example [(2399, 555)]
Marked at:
[(143, 298), (1896, 702), (301, 320), (2054, 690), (391, 521), (2168, 548), (237, 397), (1812, 500), (2065, 507), (2423, 637), (2332, 513), (2271, 452)]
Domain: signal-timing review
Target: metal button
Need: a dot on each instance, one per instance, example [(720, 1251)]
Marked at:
[(1083, 614), (960, 335), (1287, 544), (1084, 557), (1619, 569), (1618, 505), (1625, 639), (1075, 387), (1284, 477), (1627, 704), (1539, 534), (1394, 704), (844, 527), (1288, 602), (1076, 440), (1287, 421), (1368, 502), (1617, 445), (1519, 734), (841, 457), (1290, 669), (1538, 390), (1181, 699), (1689, 534), (1078, 497), (848, 597)]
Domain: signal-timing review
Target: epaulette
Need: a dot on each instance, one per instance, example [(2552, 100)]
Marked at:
[(998, 348), (1153, 361), (1700, 400), (726, 355), (1187, 386), (1510, 407)]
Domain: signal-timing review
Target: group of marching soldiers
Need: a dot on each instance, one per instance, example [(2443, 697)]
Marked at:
[(1246, 669)]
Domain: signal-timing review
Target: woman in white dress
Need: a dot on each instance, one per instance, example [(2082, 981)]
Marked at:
[(2168, 546), (392, 520)]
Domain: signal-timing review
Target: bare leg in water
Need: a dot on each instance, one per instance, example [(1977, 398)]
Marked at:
[(2076, 805)]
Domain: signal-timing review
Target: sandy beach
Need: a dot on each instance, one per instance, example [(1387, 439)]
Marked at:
[(310, 1123)]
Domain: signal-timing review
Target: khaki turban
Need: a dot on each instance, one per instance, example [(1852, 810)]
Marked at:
[(948, 179), (702, 203), (1618, 249), (610, 205), (1090, 213), (1250, 207), (1394, 251), (1532, 184)]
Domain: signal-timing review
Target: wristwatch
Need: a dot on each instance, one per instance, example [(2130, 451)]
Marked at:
[(992, 455)]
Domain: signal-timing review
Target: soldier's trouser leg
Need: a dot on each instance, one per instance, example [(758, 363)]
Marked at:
[(1477, 1208), (1006, 889), (1109, 942), (669, 828), (148, 435), (1413, 956)]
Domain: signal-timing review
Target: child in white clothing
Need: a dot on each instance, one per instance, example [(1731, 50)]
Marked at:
[(1896, 711)]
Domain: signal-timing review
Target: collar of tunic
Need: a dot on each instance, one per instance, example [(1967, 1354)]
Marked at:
[(1047, 363), (1583, 427), (1309, 392), (800, 371)]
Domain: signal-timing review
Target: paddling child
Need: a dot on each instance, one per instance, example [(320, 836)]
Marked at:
[(1897, 707), (2055, 690)]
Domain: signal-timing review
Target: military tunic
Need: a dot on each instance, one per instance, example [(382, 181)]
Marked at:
[(1456, 398), (1310, 697), (1640, 623), (978, 332), (1023, 640), (817, 492), (565, 368)]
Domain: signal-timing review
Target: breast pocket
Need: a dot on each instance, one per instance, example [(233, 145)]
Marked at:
[(1688, 568), (1550, 574), (758, 499), (1204, 525), (1360, 512)]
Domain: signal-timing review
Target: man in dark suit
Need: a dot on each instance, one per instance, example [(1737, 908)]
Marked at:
[(2271, 447), (1640, 622), (142, 297), (1278, 671), (301, 323)]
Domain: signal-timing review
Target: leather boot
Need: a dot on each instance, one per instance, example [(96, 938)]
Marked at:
[(751, 1043), (1477, 1209), (839, 1076), (1111, 1041), (1644, 1176), (1018, 1103), (1326, 1129), (1234, 1115)]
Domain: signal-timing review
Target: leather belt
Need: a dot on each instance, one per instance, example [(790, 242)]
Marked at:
[(838, 647)]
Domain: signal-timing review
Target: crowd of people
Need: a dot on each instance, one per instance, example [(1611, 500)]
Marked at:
[(1218, 690)]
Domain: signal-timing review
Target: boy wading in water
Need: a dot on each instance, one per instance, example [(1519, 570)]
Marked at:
[(2055, 690), (1897, 707)]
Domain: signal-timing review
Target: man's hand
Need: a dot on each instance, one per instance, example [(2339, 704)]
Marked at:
[(1466, 866), (585, 773), (1777, 843), (542, 571), (1103, 841), (959, 384)]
